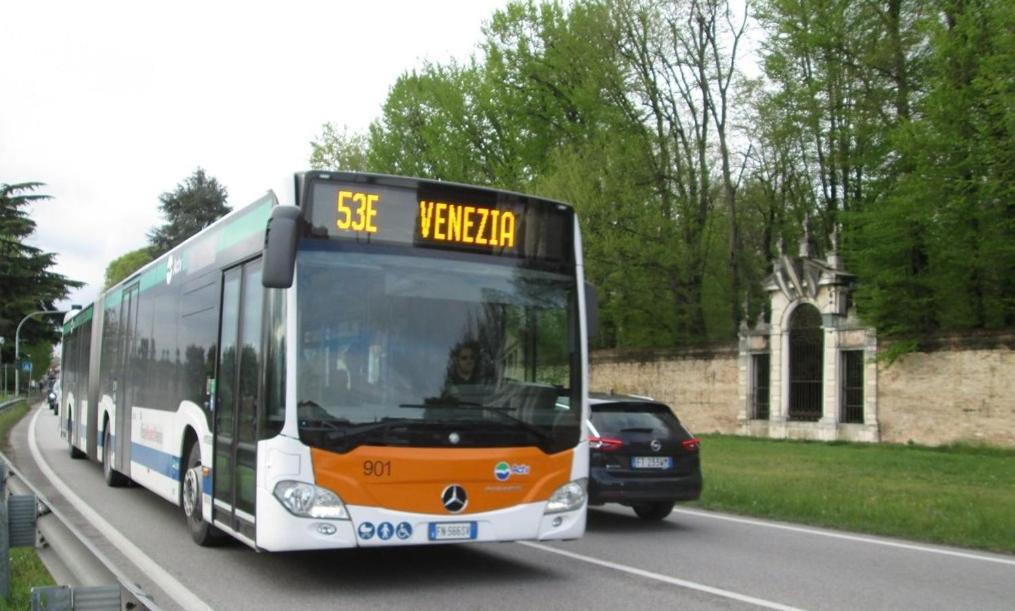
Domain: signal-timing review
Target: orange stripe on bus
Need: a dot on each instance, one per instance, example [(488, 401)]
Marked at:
[(412, 479)]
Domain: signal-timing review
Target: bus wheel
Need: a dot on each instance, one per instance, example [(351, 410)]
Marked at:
[(202, 532), (74, 452), (113, 477)]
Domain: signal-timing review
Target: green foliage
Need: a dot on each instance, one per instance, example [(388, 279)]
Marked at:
[(26, 282), (528, 116), (334, 150), (127, 264), (195, 203), (887, 122), (938, 251)]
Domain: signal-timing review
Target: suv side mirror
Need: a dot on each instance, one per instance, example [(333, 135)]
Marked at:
[(280, 247), (591, 311)]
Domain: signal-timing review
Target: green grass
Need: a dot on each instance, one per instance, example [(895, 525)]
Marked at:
[(957, 495), (27, 571)]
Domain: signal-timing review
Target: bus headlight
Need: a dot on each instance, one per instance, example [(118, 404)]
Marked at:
[(568, 497), (310, 501)]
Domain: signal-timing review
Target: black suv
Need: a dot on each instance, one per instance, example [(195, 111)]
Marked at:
[(641, 456)]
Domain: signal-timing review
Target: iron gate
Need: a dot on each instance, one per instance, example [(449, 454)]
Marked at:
[(806, 364)]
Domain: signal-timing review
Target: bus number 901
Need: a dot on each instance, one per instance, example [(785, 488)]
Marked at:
[(377, 468)]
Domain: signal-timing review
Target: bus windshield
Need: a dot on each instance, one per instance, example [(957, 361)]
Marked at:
[(426, 351)]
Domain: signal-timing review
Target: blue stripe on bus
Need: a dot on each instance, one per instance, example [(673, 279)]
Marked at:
[(156, 460), (161, 462)]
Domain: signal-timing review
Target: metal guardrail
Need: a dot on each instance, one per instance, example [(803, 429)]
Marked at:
[(128, 594)]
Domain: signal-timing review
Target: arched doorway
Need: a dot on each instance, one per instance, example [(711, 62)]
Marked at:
[(806, 363)]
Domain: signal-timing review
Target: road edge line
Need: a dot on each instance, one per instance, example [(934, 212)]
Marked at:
[(166, 582), (846, 536)]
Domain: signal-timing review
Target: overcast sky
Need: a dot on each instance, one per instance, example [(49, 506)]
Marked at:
[(113, 103)]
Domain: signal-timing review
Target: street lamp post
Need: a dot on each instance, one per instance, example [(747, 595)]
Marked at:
[(17, 343)]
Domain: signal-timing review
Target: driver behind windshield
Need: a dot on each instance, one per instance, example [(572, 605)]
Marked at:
[(465, 369)]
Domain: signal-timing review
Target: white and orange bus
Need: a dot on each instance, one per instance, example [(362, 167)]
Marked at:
[(355, 360)]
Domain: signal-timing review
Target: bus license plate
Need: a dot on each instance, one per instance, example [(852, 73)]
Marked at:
[(452, 531), (652, 462)]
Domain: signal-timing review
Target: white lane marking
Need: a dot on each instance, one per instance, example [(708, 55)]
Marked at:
[(847, 537), (169, 584), (683, 583)]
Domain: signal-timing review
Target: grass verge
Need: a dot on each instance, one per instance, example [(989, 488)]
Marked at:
[(27, 571), (955, 495)]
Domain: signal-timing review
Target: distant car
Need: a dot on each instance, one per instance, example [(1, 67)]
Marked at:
[(641, 456)]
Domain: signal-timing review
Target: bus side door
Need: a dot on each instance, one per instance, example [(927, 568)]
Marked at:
[(239, 393), (122, 382)]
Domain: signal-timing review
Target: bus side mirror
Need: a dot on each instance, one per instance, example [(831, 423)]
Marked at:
[(591, 311), (280, 247)]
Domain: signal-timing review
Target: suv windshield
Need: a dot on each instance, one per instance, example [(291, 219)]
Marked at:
[(426, 351)]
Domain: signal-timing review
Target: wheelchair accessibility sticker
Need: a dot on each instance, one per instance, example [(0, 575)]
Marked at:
[(384, 531)]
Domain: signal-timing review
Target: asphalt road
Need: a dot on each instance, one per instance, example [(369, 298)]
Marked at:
[(693, 559)]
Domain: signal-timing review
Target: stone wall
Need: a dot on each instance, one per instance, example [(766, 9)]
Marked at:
[(957, 389), (961, 389), (700, 385)]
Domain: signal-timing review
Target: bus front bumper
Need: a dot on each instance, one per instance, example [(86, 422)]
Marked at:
[(279, 530)]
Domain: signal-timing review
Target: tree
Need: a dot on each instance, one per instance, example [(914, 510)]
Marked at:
[(196, 203), (430, 127), (938, 252), (334, 150), (27, 283), (123, 266)]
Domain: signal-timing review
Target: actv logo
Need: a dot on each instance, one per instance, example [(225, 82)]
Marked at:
[(503, 471)]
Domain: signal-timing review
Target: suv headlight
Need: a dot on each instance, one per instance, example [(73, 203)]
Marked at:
[(568, 497), (310, 501)]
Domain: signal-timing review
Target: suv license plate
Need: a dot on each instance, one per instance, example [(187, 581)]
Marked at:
[(651, 462), (452, 531)]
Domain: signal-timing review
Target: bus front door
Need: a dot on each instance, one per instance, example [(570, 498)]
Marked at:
[(239, 394)]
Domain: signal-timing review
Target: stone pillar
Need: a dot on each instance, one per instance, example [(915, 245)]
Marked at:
[(778, 383), (745, 384), (831, 383), (870, 387)]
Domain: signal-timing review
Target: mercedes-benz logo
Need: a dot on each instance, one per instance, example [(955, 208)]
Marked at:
[(656, 445), (454, 498)]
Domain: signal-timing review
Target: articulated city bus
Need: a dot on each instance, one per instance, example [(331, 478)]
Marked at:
[(352, 360)]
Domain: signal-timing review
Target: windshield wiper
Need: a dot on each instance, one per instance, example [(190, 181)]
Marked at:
[(500, 411), (352, 431)]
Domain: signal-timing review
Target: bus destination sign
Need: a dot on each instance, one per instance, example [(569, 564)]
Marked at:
[(452, 218), (466, 224)]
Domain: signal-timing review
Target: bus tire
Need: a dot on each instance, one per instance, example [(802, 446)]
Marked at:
[(113, 478), (192, 500), (74, 452)]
